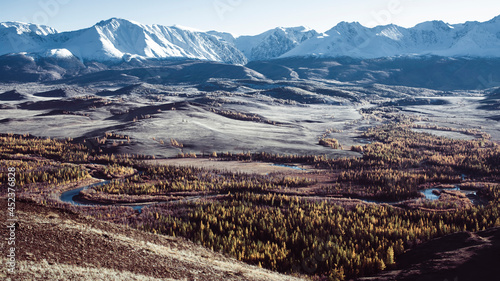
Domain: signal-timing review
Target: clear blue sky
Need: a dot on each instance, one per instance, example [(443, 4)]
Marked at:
[(242, 17)]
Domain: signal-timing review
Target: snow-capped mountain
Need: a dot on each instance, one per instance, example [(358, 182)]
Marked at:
[(471, 39), (273, 43), (122, 40), (20, 37), (118, 39)]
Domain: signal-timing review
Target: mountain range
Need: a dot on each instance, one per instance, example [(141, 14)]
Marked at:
[(471, 39), (118, 40)]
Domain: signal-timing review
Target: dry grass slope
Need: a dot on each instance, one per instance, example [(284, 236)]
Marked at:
[(58, 245)]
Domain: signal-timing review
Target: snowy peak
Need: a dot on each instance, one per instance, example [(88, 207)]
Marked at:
[(273, 43), (347, 27), (433, 26), (19, 37), (115, 22), (123, 39)]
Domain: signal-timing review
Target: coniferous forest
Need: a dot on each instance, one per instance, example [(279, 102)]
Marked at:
[(367, 212)]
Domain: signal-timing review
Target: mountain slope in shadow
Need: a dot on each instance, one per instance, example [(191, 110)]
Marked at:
[(461, 256)]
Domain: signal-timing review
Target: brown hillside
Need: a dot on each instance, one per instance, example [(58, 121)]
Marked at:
[(53, 244)]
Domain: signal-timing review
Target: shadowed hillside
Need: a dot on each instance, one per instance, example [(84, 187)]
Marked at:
[(461, 256)]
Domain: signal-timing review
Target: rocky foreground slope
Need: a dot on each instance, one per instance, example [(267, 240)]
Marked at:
[(53, 244)]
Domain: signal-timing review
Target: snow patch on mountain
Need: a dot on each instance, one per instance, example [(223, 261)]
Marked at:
[(228, 37), (58, 53)]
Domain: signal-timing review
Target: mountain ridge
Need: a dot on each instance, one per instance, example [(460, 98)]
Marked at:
[(118, 39)]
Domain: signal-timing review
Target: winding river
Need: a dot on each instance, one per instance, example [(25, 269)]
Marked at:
[(72, 196)]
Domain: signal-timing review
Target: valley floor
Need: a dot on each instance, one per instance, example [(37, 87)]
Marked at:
[(264, 175)]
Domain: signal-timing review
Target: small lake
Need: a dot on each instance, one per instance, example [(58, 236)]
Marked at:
[(363, 140), (429, 193), (289, 166)]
